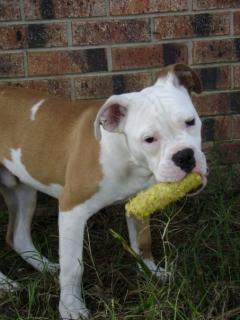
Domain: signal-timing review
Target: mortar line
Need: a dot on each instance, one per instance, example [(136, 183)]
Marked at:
[(231, 23), (232, 76), (104, 73), (72, 77), (190, 48), (190, 42), (152, 29), (25, 61), (232, 34), (190, 6), (109, 59), (69, 33), (122, 17), (22, 12), (72, 89), (127, 45), (107, 5)]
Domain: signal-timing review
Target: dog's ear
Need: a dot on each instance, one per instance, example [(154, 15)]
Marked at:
[(111, 115), (185, 75)]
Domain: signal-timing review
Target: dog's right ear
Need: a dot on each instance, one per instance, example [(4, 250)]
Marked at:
[(185, 76), (111, 115)]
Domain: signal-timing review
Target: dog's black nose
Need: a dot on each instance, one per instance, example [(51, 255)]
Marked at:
[(184, 159)]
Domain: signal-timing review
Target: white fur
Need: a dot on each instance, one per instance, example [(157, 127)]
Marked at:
[(158, 271), (164, 110), (72, 223), (16, 167), (128, 165), (6, 284), (22, 242), (35, 108)]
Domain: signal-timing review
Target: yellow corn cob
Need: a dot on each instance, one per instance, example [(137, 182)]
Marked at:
[(160, 195)]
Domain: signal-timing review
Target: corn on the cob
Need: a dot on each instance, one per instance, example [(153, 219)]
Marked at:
[(160, 195)]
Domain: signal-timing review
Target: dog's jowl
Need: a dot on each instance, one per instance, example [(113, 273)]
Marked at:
[(88, 155)]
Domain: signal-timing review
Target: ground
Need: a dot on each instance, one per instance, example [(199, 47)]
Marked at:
[(198, 239)]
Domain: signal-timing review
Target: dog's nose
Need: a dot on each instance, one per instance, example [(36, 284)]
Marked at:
[(184, 159)]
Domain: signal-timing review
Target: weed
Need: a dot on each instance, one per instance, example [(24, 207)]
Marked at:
[(197, 239)]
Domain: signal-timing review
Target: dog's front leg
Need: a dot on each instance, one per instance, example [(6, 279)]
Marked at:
[(141, 242), (71, 235)]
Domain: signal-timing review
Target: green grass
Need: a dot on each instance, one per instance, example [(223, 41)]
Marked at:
[(198, 239)]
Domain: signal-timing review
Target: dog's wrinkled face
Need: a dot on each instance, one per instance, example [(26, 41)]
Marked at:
[(162, 128)]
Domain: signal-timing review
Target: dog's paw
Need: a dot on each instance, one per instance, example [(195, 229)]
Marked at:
[(52, 267), (7, 284), (44, 265), (163, 275), (73, 309)]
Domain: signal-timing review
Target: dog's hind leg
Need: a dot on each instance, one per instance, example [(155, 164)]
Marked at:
[(141, 242), (6, 283), (21, 203)]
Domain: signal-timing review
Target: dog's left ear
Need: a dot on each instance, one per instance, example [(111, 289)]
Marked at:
[(111, 115), (185, 75)]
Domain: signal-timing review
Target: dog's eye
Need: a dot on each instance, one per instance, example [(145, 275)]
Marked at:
[(150, 139), (190, 123)]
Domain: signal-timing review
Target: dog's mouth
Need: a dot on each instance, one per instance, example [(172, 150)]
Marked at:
[(199, 189)]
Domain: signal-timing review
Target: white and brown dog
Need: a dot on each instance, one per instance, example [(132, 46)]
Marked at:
[(49, 145)]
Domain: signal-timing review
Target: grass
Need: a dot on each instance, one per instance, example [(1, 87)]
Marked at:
[(198, 239)]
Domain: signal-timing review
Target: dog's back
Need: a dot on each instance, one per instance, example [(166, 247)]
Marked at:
[(39, 128)]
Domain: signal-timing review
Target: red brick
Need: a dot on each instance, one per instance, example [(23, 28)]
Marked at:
[(9, 10), (229, 152), (13, 37), (122, 7), (217, 128), (38, 9), (212, 104), (207, 148), (216, 51), (223, 128), (207, 129), (213, 78), (47, 35), (97, 32), (236, 127), (146, 57), (184, 26), (237, 23), (59, 87), (64, 62), (33, 36), (104, 86), (214, 4), (11, 64), (236, 76)]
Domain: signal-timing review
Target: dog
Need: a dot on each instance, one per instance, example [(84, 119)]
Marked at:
[(89, 155)]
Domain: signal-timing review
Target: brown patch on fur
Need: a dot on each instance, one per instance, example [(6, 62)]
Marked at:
[(58, 146), (186, 76), (144, 238), (11, 229), (12, 209)]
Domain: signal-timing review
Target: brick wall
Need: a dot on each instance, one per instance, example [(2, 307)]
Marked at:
[(93, 48)]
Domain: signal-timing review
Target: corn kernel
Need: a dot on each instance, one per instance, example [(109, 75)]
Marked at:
[(160, 195)]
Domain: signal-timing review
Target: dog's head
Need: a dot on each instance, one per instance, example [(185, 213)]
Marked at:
[(161, 125)]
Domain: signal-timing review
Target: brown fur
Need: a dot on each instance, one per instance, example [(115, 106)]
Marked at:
[(186, 76), (58, 146), (144, 238), (12, 208)]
